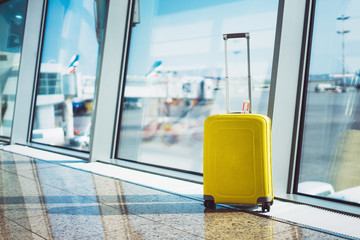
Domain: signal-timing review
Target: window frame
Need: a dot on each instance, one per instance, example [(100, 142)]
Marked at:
[(291, 54), (7, 139), (286, 152), (284, 102), (301, 113), (111, 81), (24, 100)]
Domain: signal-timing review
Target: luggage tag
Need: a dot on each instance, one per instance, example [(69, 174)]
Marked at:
[(245, 106)]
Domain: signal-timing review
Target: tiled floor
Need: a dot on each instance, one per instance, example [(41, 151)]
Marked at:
[(44, 200)]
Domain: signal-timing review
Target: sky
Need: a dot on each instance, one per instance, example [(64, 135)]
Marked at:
[(327, 43), (190, 37), (188, 34), (70, 30)]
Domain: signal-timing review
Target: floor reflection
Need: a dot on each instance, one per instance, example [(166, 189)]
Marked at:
[(45, 200)]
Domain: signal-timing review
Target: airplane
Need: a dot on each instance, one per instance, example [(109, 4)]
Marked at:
[(74, 62), (156, 67)]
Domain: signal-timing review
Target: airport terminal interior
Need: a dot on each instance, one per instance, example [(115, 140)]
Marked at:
[(103, 104)]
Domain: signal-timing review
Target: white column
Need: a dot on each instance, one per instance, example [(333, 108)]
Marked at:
[(109, 88), (25, 87), (286, 74)]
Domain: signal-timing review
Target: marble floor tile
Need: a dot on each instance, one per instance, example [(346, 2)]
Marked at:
[(11, 230), (146, 229), (42, 200), (24, 166), (296, 232)]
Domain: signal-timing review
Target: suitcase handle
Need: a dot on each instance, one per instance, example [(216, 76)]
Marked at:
[(236, 35), (226, 37)]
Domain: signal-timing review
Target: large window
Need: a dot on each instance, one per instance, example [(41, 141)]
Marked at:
[(330, 156), (12, 20), (69, 63), (175, 75)]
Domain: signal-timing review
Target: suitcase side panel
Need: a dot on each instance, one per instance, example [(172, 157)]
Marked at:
[(237, 158)]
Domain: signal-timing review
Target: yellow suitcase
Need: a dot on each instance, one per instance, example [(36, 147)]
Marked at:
[(237, 154)]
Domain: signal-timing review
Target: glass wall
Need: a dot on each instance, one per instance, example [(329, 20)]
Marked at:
[(12, 21), (175, 75), (330, 155), (69, 64)]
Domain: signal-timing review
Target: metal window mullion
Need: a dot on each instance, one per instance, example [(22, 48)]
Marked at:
[(284, 88), (301, 98), (25, 92), (109, 87)]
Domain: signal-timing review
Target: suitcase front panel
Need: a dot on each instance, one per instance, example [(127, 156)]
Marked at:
[(237, 158), (234, 157)]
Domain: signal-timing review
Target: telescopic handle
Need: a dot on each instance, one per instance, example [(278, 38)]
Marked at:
[(236, 35), (226, 37)]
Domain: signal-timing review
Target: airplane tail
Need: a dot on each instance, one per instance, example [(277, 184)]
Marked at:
[(155, 68), (74, 62)]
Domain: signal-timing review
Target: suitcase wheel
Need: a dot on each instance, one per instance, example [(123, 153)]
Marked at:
[(265, 207), (210, 204)]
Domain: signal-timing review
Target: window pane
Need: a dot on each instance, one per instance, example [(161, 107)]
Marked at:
[(12, 20), (68, 70), (175, 75), (330, 163)]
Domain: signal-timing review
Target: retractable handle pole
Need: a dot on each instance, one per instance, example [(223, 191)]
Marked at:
[(226, 37)]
